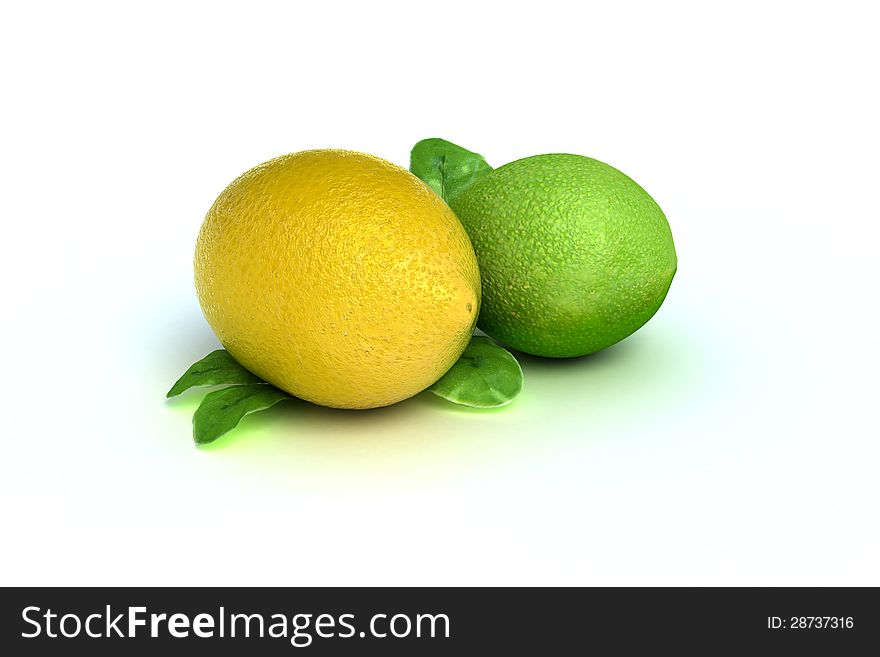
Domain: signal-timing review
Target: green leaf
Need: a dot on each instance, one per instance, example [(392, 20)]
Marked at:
[(216, 368), (446, 168), (222, 410), (485, 376)]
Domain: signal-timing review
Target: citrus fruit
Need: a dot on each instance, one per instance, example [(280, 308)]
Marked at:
[(574, 255), (337, 277)]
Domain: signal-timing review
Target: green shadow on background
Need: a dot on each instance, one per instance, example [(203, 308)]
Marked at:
[(562, 400)]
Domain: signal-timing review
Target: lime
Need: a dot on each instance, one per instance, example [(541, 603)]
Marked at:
[(574, 256)]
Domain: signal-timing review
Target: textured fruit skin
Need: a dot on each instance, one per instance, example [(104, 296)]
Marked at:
[(337, 277), (574, 255)]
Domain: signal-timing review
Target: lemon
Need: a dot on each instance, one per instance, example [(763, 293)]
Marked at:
[(574, 255), (337, 277)]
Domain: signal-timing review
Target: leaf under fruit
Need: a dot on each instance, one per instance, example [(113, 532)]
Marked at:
[(222, 410), (217, 368), (485, 376)]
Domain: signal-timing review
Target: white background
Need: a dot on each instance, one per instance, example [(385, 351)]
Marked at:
[(731, 441)]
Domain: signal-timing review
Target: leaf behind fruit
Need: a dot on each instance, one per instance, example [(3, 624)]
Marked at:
[(446, 168)]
